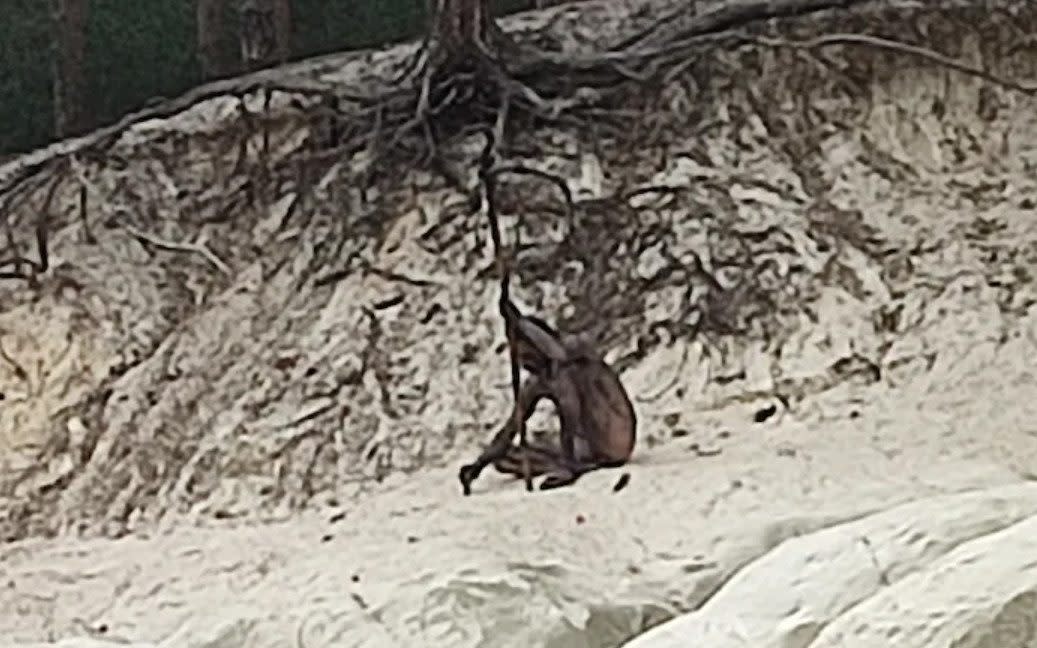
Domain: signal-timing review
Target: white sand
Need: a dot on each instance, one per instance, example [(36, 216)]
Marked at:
[(418, 565), (899, 512)]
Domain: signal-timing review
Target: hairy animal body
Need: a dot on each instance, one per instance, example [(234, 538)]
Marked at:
[(597, 423)]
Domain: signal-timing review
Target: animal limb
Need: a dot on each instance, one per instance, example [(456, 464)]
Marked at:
[(516, 327), (561, 465), (559, 366), (597, 423), (544, 460), (529, 395), (532, 329), (489, 188)]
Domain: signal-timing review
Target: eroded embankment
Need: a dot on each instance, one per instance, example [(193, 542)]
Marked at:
[(827, 197), (852, 240)]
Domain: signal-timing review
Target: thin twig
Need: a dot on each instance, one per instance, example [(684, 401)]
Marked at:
[(19, 370), (196, 248), (898, 46), (731, 15), (556, 180), (488, 178)]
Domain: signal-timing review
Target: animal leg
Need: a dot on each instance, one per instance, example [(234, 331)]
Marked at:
[(541, 460), (544, 460), (529, 395), (566, 473), (568, 468), (574, 458)]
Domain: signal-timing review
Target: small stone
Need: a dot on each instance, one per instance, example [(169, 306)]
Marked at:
[(765, 413)]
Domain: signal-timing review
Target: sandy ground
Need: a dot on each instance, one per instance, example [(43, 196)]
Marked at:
[(418, 565), (898, 510)]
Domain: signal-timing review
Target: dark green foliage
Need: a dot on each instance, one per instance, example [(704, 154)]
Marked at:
[(135, 51), (505, 7), (323, 26), (141, 49), (26, 112)]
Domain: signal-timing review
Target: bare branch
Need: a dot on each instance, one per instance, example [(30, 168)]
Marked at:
[(904, 48), (195, 248)]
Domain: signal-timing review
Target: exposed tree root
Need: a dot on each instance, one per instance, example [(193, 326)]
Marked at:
[(717, 292), (468, 76)]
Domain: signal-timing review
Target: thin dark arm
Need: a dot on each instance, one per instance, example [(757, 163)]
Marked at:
[(530, 394)]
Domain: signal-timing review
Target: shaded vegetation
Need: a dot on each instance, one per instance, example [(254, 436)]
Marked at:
[(146, 48), (25, 76)]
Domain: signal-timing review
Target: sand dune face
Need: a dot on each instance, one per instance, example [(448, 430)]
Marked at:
[(945, 570), (234, 454)]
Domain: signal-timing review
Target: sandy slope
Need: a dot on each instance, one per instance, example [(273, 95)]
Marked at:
[(417, 565), (895, 509)]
